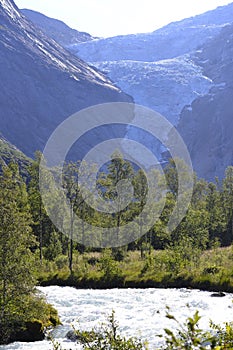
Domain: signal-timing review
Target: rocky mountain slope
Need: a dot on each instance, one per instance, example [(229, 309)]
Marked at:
[(183, 70), (207, 126), (41, 83), (173, 40), (9, 153), (56, 29), (156, 68)]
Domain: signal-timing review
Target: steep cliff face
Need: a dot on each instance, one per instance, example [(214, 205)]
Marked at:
[(42, 83), (56, 29), (207, 126)]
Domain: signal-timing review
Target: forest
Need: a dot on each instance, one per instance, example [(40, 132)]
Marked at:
[(197, 253)]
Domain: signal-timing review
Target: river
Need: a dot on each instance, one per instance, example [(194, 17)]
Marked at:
[(140, 312)]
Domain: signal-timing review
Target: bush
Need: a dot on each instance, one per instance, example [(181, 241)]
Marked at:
[(187, 337), (111, 271), (105, 338), (190, 337)]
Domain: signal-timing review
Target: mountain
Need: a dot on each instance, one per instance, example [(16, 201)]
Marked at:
[(9, 153), (56, 29), (184, 71), (157, 68), (207, 125), (42, 83), (173, 40), (165, 86)]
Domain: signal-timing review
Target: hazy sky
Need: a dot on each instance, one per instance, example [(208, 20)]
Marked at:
[(114, 17)]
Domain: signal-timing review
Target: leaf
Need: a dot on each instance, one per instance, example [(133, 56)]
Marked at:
[(170, 317)]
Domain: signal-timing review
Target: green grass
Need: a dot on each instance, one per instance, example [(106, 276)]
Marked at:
[(213, 270)]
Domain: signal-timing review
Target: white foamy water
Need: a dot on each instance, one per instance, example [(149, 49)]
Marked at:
[(140, 312)]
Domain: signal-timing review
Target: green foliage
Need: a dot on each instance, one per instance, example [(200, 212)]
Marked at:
[(54, 249), (195, 254), (190, 337), (107, 337), (10, 154), (19, 301), (16, 259), (41, 224), (109, 267), (148, 263), (182, 253)]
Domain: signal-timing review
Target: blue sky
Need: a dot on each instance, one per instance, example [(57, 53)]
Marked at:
[(114, 17)]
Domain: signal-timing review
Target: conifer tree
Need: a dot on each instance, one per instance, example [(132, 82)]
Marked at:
[(16, 258)]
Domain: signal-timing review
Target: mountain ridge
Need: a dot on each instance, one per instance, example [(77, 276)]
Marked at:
[(191, 86), (42, 83), (56, 29), (170, 41)]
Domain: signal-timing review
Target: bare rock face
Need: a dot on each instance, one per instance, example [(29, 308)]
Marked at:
[(42, 83), (56, 29), (207, 126)]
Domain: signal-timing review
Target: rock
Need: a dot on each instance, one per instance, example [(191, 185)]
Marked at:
[(33, 332), (207, 126), (183, 71), (71, 335), (173, 40), (56, 29), (42, 84), (218, 294), (155, 68), (81, 336)]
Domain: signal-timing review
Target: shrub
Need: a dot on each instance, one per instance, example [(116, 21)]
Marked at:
[(106, 338)]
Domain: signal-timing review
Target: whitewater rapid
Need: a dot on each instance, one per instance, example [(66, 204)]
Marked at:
[(140, 312)]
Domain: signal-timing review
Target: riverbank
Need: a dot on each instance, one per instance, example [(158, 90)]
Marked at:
[(100, 284), (32, 329), (140, 313), (211, 271)]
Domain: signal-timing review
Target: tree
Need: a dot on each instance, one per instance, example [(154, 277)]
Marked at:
[(217, 217), (148, 188), (16, 258), (228, 201), (77, 202), (118, 172), (41, 221), (70, 183), (140, 191)]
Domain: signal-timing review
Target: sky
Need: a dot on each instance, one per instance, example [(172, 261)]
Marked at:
[(105, 18)]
